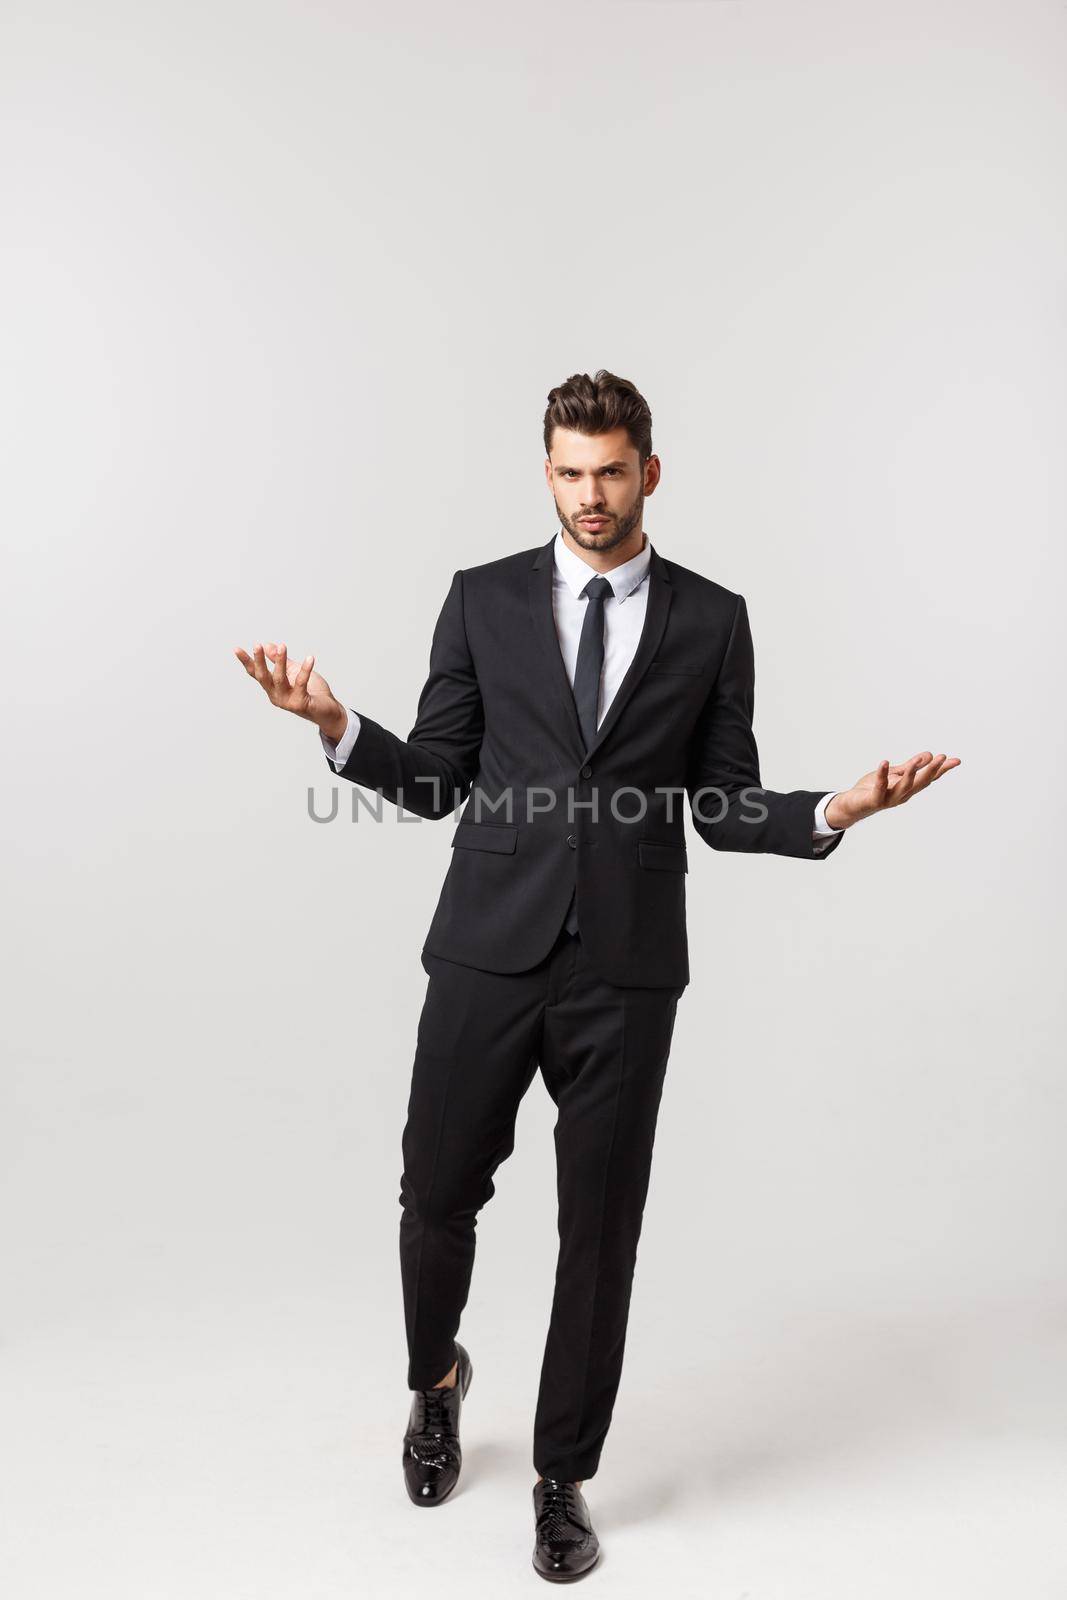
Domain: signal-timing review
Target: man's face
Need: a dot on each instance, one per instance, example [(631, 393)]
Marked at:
[(597, 484)]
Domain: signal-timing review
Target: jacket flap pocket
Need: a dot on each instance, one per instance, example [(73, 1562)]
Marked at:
[(669, 857), (499, 836)]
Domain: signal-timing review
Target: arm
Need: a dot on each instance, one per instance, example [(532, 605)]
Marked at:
[(736, 812), (431, 771)]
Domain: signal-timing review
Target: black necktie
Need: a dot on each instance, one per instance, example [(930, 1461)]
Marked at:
[(590, 657), (587, 679)]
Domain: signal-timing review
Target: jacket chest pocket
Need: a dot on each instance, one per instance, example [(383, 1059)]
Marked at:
[(497, 837), (671, 667), (662, 857)]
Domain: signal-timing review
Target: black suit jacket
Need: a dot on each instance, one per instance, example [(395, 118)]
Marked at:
[(497, 727)]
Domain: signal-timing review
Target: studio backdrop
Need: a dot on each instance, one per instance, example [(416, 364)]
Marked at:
[(286, 288)]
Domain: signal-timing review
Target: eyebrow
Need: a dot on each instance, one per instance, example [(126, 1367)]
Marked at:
[(566, 467)]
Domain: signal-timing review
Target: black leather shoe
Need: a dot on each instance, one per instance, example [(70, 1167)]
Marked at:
[(565, 1545), (432, 1454)]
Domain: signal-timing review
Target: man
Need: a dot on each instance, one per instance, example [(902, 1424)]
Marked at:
[(576, 692)]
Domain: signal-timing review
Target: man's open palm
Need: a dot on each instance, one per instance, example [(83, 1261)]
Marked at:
[(291, 687), (887, 786)]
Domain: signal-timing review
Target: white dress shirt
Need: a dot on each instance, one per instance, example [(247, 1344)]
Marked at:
[(624, 616)]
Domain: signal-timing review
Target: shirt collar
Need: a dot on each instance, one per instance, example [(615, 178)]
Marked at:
[(624, 580)]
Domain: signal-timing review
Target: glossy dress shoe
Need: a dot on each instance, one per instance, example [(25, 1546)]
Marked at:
[(565, 1545), (432, 1454)]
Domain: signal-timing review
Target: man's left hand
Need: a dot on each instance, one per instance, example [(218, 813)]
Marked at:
[(887, 786)]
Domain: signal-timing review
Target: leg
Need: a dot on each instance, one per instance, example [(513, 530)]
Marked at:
[(604, 1058), (475, 1057)]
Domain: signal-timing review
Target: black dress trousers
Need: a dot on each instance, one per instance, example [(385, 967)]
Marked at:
[(602, 1051)]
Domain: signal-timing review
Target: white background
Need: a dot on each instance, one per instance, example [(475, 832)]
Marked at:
[(285, 288)]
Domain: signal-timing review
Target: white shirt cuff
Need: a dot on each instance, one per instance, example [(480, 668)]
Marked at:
[(821, 832), (339, 753)]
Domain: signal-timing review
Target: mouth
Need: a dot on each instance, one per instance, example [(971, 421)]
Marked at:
[(593, 523)]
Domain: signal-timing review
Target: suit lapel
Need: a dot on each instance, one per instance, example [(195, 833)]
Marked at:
[(657, 607), (544, 625)]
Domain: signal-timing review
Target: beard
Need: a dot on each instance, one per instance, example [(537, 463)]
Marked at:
[(617, 530)]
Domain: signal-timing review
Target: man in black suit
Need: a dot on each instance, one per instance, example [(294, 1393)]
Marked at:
[(580, 693)]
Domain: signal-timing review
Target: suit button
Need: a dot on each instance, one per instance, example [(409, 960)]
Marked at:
[(572, 841), (587, 772)]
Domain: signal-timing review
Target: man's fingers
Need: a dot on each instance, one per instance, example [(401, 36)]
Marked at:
[(276, 682), (881, 782), (941, 765), (927, 773), (896, 782), (263, 672), (930, 768), (905, 785)]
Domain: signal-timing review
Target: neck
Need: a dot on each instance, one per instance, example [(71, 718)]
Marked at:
[(607, 560)]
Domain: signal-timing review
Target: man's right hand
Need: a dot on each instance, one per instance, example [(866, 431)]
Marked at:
[(298, 689)]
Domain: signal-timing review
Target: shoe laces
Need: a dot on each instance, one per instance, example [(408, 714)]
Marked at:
[(430, 1445), (555, 1523), (434, 1411)]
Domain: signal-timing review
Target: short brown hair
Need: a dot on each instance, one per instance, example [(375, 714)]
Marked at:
[(597, 405)]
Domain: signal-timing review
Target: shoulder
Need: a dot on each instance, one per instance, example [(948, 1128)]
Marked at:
[(501, 569), (716, 596)]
